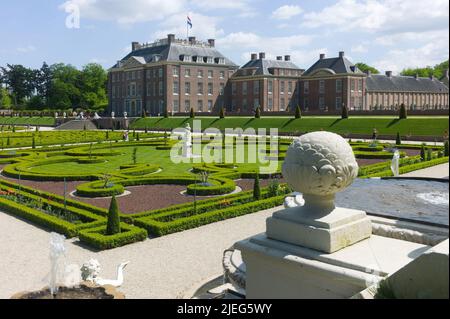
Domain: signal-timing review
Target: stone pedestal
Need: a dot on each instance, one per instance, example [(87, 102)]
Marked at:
[(326, 233), (279, 270)]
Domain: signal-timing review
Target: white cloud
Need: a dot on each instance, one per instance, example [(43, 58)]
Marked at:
[(429, 54), (26, 49), (391, 16), (125, 12), (286, 12)]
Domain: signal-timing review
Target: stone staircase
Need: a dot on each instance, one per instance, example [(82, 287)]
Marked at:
[(77, 125)]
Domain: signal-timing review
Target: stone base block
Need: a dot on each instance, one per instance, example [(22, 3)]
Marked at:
[(329, 233)]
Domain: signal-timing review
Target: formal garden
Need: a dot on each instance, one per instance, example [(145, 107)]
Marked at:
[(74, 186)]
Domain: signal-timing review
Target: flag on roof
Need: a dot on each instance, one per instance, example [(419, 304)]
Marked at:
[(189, 22)]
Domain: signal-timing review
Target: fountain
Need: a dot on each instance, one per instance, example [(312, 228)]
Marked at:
[(71, 276), (395, 163)]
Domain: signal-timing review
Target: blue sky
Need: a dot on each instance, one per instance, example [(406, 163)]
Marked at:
[(388, 34)]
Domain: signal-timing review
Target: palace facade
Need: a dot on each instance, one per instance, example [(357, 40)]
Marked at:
[(174, 76)]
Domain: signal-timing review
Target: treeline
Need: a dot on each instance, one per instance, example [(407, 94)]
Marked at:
[(54, 87), (437, 71)]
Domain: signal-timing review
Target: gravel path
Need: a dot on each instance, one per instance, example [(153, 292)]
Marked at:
[(438, 171), (165, 267)]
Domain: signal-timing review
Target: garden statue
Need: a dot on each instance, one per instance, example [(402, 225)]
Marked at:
[(65, 115), (57, 250), (187, 146), (90, 270), (96, 116), (395, 163), (113, 114), (125, 115), (113, 282), (56, 115)]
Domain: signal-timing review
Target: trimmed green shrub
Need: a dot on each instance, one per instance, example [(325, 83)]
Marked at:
[(97, 237), (446, 150), (192, 113), (422, 152), (113, 224), (403, 114), (257, 188), (222, 113), (298, 112), (398, 140), (258, 112), (344, 112)]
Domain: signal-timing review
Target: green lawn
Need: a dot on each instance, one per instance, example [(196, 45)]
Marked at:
[(145, 155), (413, 126), (33, 121)]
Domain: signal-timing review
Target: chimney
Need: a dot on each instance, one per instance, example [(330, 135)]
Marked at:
[(262, 55), (254, 56), (287, 58), (341, 54), (389, 74), (171, 38), (192, 40), (135, 46), (279, 58), (322, 56), (212, 43)]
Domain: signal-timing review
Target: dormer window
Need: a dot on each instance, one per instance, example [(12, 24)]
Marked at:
[(221, 60), (209, 59), (199, 59), (186, 58)]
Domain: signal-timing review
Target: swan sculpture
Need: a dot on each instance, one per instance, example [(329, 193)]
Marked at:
[(115, 283)]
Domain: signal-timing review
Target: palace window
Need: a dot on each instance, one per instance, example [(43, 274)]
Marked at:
[(322, 87), (200, 88), (187, 88), (210, 89), (306, 87), (244, 88), (176, 87), (338, 86)]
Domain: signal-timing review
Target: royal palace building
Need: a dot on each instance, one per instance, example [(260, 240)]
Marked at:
[(174, 76)]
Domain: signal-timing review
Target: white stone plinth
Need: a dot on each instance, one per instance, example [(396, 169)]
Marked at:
[(283, 271), (328, 233)]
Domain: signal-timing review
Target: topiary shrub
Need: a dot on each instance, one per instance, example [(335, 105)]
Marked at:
[(298, 112), (446, 150), (257, 188), (403, 115), (192, 113), (344, 112), (113, 225), (422, 152), (258, 112), (222, 113), (398, 140)]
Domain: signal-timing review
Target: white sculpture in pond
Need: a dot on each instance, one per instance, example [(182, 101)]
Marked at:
[(319, 165), (395, 164), (91, 269)]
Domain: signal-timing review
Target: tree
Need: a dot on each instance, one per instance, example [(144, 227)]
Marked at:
[(298, 112), (436, 71), (20, 80), (192, 113), (365, 68), (403, 114), (257, 188), (113, 225), (5, 99), (222, 113), (398, 140), (258, 112), (344, 112), (92, 85)]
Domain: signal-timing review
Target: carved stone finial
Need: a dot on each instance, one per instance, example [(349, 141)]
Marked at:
[(319, 165)]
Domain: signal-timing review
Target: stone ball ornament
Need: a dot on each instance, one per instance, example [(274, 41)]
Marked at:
[(320, 164)]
